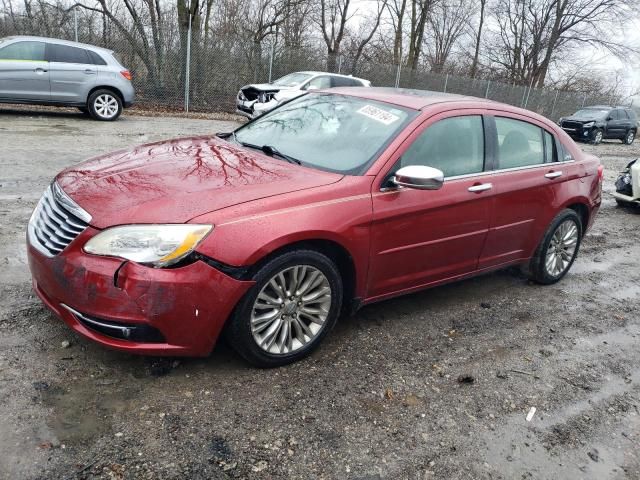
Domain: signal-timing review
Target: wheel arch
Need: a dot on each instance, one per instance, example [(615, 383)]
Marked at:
[(105, 87), (583, 212), (333, 249)]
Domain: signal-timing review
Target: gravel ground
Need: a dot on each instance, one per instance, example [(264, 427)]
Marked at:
[(432, 385)]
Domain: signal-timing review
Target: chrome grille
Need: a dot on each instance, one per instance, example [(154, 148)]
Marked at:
[(56, 221)]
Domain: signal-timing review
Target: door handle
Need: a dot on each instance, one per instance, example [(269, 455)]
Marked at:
[(40, 70), (551, 175), (89, 72), (480, 187)]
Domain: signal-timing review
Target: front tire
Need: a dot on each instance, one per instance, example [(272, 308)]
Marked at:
[(104, 105), (558, 249), (598, 135), (629, 137), (293, 305)]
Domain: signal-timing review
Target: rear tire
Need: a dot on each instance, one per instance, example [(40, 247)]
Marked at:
[(629, 137), (104, 105), (558, 249), (272, 325)]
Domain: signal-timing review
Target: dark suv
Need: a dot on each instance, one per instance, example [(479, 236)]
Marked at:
[(597, 123)]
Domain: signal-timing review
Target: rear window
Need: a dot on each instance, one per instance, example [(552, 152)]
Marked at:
[(25, 51), (67, 54)]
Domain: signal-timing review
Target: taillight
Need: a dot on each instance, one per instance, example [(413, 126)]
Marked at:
[(601, 172), (126, 74)]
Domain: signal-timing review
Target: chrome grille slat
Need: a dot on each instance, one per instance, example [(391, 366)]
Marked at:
[(56, 222)]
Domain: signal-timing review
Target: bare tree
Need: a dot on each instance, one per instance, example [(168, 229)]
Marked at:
[(478, 38), (447, 24), (333, 18)]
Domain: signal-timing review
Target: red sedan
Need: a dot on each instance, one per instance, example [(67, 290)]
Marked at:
[(334, 200)]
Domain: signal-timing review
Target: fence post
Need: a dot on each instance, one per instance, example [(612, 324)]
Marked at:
[(553, 108), (75, 21), (187, 66), (584, 99), (527, 99), (273, 46), (446, 80), (339, 63), (486, 92), (398, 76)]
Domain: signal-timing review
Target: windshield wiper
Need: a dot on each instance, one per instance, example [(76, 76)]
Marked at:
[(271, 151), (227, 135)]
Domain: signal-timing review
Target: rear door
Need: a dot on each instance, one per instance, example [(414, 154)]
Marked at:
[(24, 72), (617, 126), (422, 237), (72, 73), (527, 181)]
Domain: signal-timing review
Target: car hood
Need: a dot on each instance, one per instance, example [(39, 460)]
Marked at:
[(581, 119), (176, 180), (269, 87)]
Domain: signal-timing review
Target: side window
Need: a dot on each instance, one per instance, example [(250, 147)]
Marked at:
[(95, 58), (343, 82), (519, 143), (66, 54), (454, 145), (549, 148), (615, 114), (318, 82), (33, 51)]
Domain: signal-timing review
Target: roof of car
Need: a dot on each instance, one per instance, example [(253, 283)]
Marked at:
[(406, 97), (314, 72), (58, 41)]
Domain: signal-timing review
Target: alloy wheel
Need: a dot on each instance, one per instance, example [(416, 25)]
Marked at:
[(291, 309), (106, 106), (562, 248), (598, 137)]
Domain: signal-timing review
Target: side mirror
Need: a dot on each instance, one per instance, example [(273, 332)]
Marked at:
[(609, 118), (419, 177)]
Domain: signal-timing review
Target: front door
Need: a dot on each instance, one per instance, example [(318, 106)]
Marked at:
[(72, 73), (24, 73), (422, 237)]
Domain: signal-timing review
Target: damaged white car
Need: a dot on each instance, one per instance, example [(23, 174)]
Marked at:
[(254, 100), (628, 185)]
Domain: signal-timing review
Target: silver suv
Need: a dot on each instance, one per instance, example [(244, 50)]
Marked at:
[(46, 71)]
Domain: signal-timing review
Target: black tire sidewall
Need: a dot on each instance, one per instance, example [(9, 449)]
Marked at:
[(238, 331), (537, 268), (91, 108)]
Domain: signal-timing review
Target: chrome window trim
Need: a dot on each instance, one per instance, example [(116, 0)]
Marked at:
[(490, 172)]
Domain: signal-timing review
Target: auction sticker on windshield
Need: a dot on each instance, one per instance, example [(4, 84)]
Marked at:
[(378, 114)]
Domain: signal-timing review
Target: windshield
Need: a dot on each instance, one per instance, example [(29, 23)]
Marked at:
[(331, 132), (591, 113), (292, 79)]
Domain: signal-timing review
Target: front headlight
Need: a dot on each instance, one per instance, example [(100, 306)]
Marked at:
[(155, 245), (588, 124)]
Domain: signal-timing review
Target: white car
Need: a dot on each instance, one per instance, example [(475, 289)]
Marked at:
[(628, 185), (254, 100)]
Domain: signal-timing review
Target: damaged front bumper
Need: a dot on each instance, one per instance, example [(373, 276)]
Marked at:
[(133, 308), (252, 102), (628, 184)]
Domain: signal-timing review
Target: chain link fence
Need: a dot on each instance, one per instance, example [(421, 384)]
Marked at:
[(205, 73)]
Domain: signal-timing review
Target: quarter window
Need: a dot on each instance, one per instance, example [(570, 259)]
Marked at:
[(519, 143), (66, 54), (549, 148), (28, 51), (454, 145), (95, 58)]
